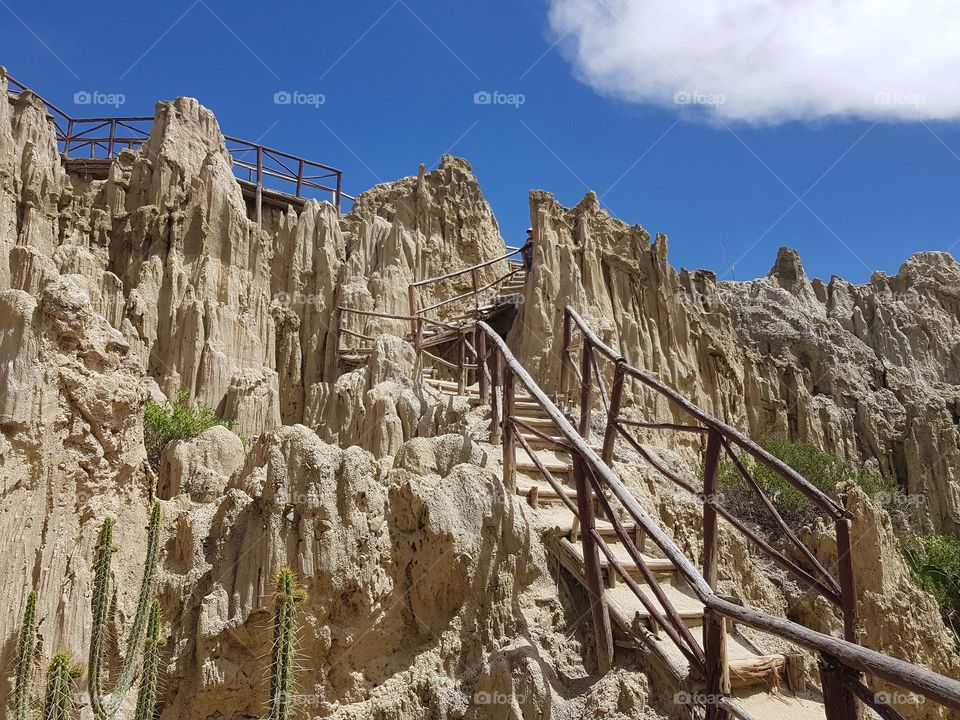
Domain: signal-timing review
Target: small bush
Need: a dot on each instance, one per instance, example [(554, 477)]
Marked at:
[(163, 423), (822, 469), (934, 561)]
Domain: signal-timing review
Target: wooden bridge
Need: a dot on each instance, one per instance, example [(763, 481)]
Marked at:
[(267, 176), (644, 592)]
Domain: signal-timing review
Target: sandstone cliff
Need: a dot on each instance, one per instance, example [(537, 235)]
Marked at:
[(867, 372), (429, 589)]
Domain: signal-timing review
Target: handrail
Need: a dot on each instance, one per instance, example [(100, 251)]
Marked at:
[(772, 462), (78, 134), (455, 273), (393, 316), (840, 591), (848, 655), (841, 659)]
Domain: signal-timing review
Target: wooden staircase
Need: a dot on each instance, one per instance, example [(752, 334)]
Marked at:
[(643, 592), (771, 685)]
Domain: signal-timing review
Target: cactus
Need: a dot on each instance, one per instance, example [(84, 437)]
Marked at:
[(106, 706), (26, 647), (60, 676), (287, 595), (147, 695)]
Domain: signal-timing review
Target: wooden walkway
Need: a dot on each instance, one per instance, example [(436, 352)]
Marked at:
[(761, 683)]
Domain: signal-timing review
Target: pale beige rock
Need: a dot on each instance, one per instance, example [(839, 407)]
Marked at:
[(201, 467), (427, 582), (865, 371)]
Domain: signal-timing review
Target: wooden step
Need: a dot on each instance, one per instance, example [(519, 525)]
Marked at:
[(659, 566), (544, 491), (473, 391), (555, 465), (539, 423), (524, 407), (687, 606), (536, 442), (558, 519), (353, 359)]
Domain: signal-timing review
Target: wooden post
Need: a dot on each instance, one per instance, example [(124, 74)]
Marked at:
[(839, 703), (710, 545), (259, 185), (714, 627), (509, 454), (613, 413), (339, 313), (591, 565), (476, 293), (412, 302), (717, 667), (418, 342), (496, 397), (481, 345), (640, 537), (848, 587), (66, 140), (462, 361), (586, 367), (565, 359)]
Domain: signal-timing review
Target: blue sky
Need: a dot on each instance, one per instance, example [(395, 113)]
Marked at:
[(399, 79)]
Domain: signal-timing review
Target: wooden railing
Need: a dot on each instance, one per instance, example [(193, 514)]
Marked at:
[(720, 439), (482, 357), (598, 487), (444, 333), (262, 167), (477, 292)]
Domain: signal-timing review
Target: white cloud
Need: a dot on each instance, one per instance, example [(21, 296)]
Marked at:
[(770, 60)]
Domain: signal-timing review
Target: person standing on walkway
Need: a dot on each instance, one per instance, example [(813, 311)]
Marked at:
[(526, 252)]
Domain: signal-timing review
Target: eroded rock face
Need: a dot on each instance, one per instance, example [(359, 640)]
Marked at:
[(430, 594), (885, 588), (867, 372), (422, 588), (425, 579), (864, 371)]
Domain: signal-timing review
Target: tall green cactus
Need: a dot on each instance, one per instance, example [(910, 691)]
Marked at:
[(286, 596), (147, 695), (58, 704), (107, 706), (26, 651)]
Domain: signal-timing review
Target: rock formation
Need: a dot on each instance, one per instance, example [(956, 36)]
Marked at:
[(867, 372), (430, 594)]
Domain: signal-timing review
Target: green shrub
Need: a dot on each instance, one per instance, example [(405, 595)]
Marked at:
[(822, 469), (934, 561), (163, 423)]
